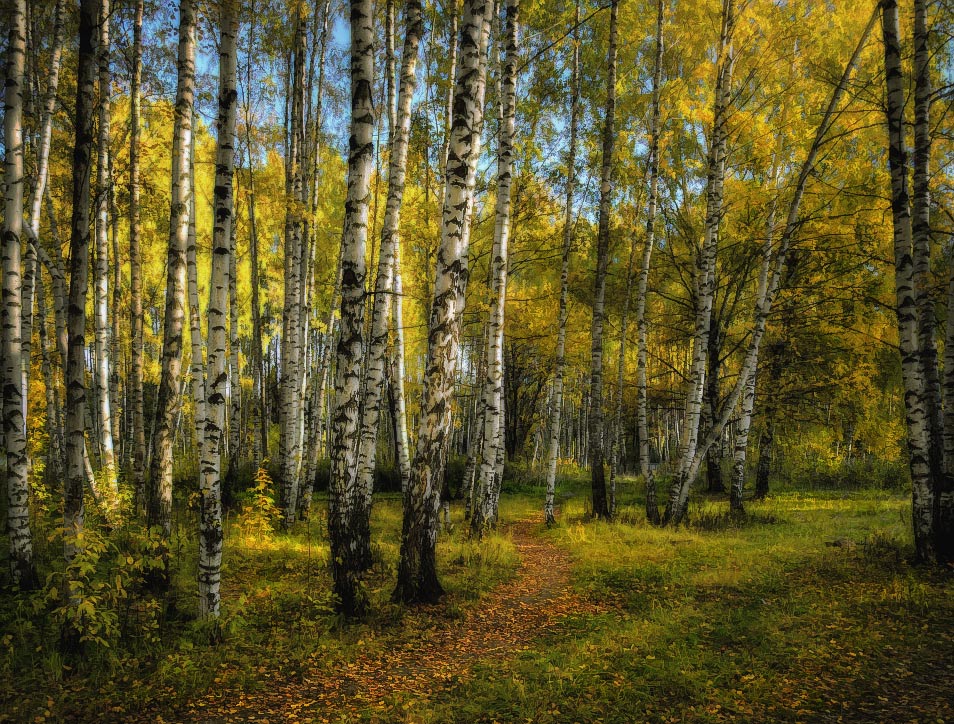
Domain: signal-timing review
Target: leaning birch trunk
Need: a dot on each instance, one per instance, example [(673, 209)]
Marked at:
[(737, 489), (168, 399), (765, 298), (291, 349), (22, 567), (484, 511), (374, 384), (705, 273), (559, 365), (642, 287), (916, 416), (101, 270), (343, 492), (595, 432), (136, 400), (417, 569), (210, 464)]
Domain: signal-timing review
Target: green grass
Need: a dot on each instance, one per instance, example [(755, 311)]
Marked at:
[(719, 620)]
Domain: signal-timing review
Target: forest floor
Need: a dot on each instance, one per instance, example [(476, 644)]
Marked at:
[(432, 659), (806, 610)]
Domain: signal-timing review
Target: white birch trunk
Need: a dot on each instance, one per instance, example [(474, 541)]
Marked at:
[(346, 409), (596, 453), (559, 365), (197, 366), (374, 385), (210, 465), (291, 350), (906, 293), (484, 513), (101, 269), (22, 567), (417, 572), (136, 401), (642, 287), (168, 401)]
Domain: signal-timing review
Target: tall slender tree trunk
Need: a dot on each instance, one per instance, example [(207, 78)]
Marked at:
[(22, 567), (907, 277), (559, 365), (596, 452), (485, 512), (136, 401), (168, 400), (291, 351), (210, 466), (197, 367), (101, 268), (75, 374), (705, 267), (417, 569), (258, 362), (402, 444), (346, 421), (374, 385), (642, 287)]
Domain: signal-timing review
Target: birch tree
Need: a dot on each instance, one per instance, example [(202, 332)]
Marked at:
[(417, 571), (291, 349), (642, 285), (136, 401), (22, 567), (374, 384), (101, 267), (932, 495), (345, 552), (706, 263), (168, 399), (210, 466), (596, 452), (485, 512), (559, 365)]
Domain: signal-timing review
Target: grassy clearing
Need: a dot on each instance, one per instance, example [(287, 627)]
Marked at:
[(806, 612)]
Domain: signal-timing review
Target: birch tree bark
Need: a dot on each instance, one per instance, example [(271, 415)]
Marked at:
[(417, 571), (343, 493), (101, 268), (705, 265), (642, 286), (596, 452), (485, 513), (168, 400), (906, 292), (384, 284), (75, 374), (210, 467), (136, 401), (559, 364), (22, 566), (197, 364), (291, 350)]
